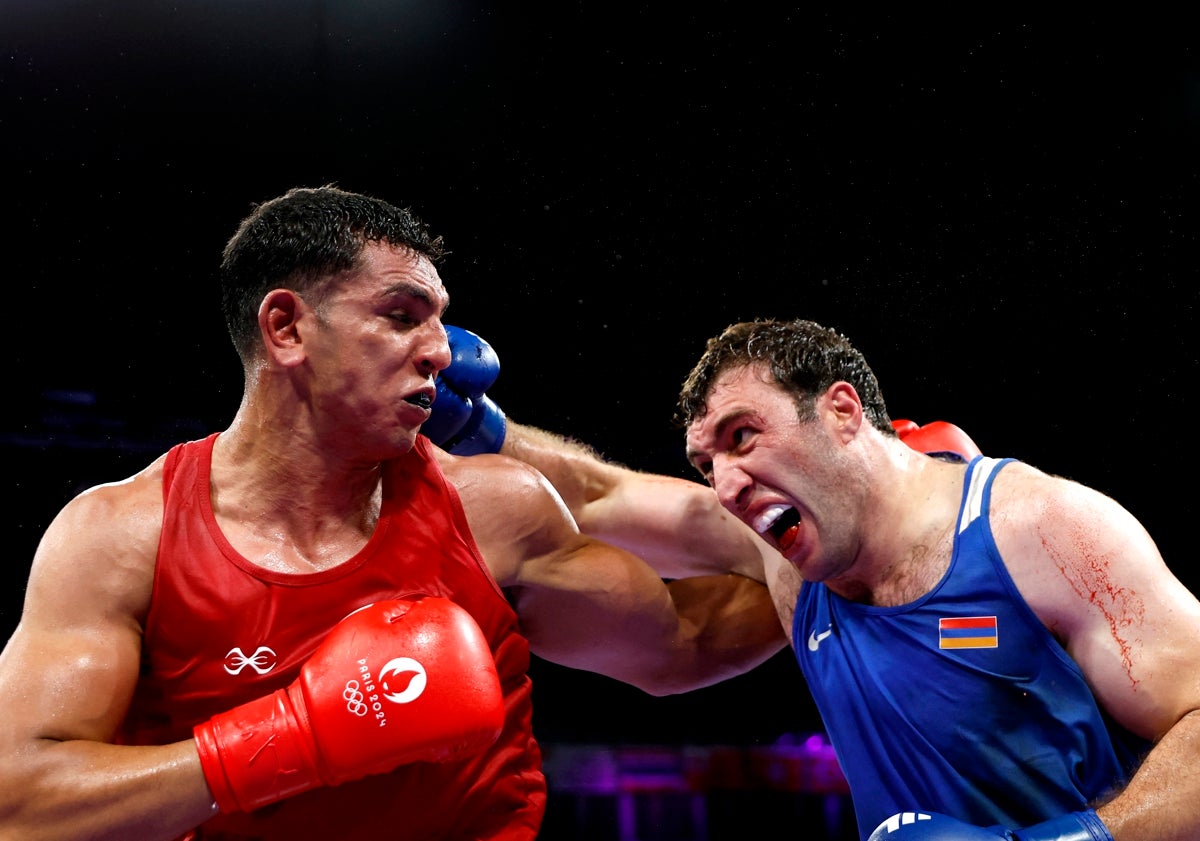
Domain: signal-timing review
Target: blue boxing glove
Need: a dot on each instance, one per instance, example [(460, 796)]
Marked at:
[(930, 826), (464, 420)]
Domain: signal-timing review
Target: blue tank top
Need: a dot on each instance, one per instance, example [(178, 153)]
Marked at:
[(961, 702)]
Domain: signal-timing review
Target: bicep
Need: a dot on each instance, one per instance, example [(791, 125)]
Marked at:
[(593, 606), (587, 604), (1139, 641), (1100, 584), (67, 683), (599, 608), (583, 603)]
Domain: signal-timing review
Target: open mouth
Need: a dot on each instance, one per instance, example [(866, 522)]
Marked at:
[(781, 522), (787, 522), (423, 400), (786, 529)]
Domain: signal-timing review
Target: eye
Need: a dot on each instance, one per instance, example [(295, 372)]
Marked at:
[(740, 435)]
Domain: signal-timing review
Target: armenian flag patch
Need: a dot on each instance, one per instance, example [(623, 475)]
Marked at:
[(967, 632)]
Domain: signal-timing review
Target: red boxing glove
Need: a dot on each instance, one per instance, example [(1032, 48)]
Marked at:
[(937, 438), (395, 682)]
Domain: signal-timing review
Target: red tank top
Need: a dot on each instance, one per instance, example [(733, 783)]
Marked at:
[(222, 631)]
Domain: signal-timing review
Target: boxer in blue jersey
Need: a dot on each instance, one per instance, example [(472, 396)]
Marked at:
[(995, 651)]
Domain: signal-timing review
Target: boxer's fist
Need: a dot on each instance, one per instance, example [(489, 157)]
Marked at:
[(937, 438), (395, 682), (464, 420), (930, 826)]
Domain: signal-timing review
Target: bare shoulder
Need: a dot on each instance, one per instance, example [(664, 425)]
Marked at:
[(1095, 577), (513, 510), (1070, 547), (111, 531), (495, 482), (85, 606), (1025, 497)]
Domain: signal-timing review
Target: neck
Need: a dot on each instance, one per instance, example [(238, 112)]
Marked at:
[(908, 532), (279, 481)]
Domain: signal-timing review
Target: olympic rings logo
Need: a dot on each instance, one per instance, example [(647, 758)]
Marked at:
[(356, 701)]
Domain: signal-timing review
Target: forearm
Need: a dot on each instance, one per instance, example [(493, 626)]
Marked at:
[(1162, 801), (675, 525), (577, 472), (83, 789)]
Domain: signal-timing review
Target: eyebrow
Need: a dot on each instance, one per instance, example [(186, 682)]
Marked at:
[(407, 288), (719, 431)]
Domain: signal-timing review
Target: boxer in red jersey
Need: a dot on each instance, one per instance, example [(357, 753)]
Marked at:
[(314, 624)]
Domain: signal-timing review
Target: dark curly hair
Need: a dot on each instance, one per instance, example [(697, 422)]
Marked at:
[(802, 356)]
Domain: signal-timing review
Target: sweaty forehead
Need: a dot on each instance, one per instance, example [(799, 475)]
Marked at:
[(735, 393), (738, 384), (725, 398), (398, 270)]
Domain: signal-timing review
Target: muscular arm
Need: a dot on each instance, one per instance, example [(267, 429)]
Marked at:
[(1097, 580), (677, 526), (590, 605), (66, 678)]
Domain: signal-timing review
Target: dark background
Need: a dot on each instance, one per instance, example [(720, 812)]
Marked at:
[(1000, 211)]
